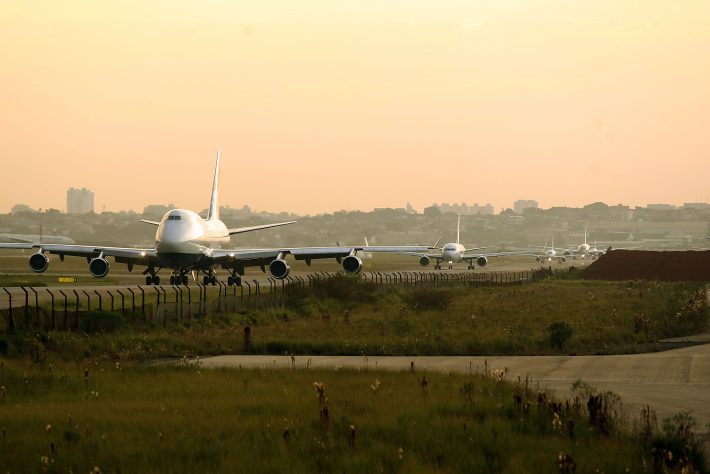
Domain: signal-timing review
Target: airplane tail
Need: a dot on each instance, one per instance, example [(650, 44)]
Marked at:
[(585, 235), (213, 212), (458, 230)]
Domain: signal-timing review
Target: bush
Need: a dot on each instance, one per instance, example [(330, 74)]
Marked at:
[(100, 321), (559, 332), (428, 298)]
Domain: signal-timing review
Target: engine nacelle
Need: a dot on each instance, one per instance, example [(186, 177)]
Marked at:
[(99, 267), (39, 262), (279, 268), (482, 261), (538, 258), (567, 253), (352, 264), (563, 260), (424, 260)]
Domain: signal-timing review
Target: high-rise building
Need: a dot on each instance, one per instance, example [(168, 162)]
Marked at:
[(80, 201), (465, 209), (521, 204)]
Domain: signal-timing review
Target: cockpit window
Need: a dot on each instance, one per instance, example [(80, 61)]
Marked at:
[(175, 218)]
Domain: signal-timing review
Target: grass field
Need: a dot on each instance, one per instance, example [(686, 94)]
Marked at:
[(75, 417), (344, 316)]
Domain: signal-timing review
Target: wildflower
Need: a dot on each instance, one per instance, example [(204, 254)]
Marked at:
[(556, 422), (44, 460), (400, 453), (48, 428), (375, 386), (353, 434), (96, 470), (320, 391)]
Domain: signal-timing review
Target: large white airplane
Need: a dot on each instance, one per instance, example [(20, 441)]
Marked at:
[(455, 252), (186, 243)]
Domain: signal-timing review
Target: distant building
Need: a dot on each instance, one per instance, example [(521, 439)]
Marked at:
[(661, 207), (465, 209), (21, 208), (521, 204), (80, 201), (696, 205)]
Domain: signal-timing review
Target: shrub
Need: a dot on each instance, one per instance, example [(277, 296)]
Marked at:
[(559, 332), (100, 321), (428, 298)]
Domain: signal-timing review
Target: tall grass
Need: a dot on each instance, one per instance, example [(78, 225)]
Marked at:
[(74, 417)]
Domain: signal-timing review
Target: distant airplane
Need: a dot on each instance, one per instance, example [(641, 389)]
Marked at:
[(550, 254), (584, 250), (455, 252), (187, 243)]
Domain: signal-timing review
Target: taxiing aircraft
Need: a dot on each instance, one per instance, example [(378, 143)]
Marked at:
[(187, 243), (455, 252), (549, 254)]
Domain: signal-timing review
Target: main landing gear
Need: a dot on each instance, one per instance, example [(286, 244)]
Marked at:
[(152, 280), (179, 279)]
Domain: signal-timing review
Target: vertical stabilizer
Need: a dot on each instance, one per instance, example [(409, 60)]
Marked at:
[(213, 212), (458, 230), (585, 235)]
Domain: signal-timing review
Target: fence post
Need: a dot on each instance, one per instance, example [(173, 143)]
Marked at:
[(76, 309), (65, 309), (99, 295), (142, 301), (178, 314), (88, 300), (249, 293), (123, 303), (11, 320), (133, 300), (111, 296), (257, 292), (52, 295), (27, 307)]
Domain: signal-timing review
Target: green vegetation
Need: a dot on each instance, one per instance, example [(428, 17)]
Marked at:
[(74, 417), (346, 316)]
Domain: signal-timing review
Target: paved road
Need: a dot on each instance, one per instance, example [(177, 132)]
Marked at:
[(669, 381)]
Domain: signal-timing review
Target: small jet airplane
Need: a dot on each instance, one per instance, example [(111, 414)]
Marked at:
[(187, 243), (455, 252), (585, 250), (549, 254)]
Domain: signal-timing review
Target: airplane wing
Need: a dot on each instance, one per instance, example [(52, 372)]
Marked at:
[(241, 230), (497, 254), (259, 257), (121, 254)]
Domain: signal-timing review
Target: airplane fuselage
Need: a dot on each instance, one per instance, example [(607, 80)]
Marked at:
[(453, 252), (183, 238)]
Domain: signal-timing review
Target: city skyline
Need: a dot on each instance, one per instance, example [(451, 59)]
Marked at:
[(569, 102)]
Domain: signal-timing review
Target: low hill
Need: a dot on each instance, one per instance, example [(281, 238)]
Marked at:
[(688, 265)]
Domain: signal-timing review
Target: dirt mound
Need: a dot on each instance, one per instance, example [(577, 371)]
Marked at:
[(649, 265)]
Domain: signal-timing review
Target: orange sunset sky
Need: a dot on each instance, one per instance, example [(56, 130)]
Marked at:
[(321, 105)]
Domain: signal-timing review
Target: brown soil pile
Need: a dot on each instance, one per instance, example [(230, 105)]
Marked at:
[(649, 265)]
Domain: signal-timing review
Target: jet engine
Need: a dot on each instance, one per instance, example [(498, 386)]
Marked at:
[(482, 261), (39, 262), (279, 268), (424, 261), (99, 267), (352, 264), (563, 260), (567, 253), (537, 259)]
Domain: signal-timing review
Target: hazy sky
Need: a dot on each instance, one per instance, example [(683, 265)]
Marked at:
[(321, 105)]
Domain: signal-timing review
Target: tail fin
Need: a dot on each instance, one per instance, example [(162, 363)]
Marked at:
[(213, 212), (585, 234), (458, 230)]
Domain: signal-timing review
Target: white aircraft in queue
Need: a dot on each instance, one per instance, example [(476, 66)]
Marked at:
[(187, 243), (455, 252), (549, 254)]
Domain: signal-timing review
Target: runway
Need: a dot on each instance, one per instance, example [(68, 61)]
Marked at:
[(669, 381)]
